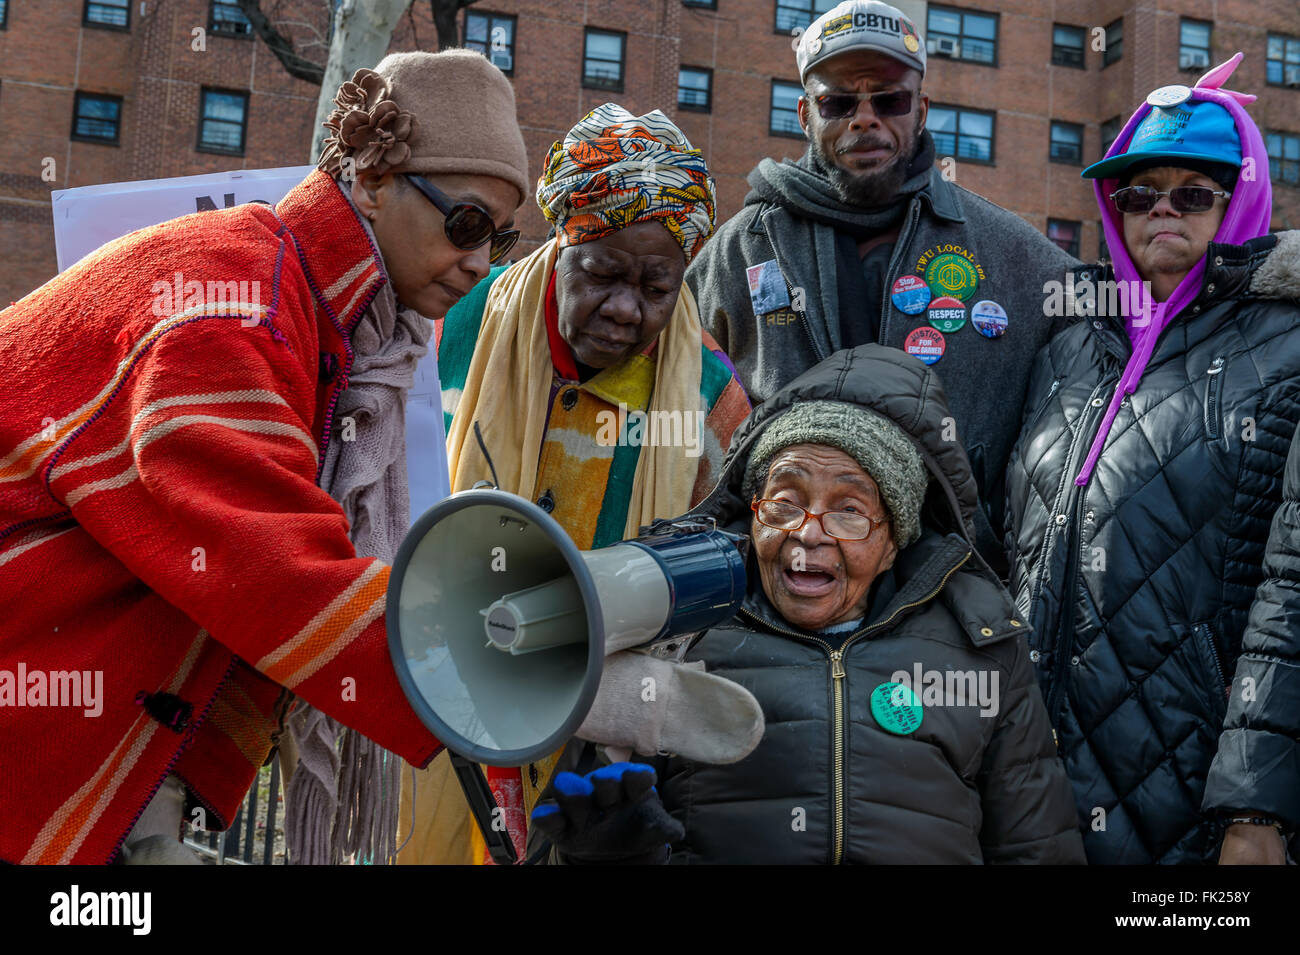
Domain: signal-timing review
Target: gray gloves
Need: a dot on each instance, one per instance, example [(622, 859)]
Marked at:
[(650, 705)]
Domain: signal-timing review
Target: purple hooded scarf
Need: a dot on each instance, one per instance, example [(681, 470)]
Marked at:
[(1247, 217)]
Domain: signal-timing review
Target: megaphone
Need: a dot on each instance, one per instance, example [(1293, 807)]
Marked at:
[(498, 625)]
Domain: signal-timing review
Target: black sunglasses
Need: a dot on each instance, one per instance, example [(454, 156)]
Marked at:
[(1138, 199), (467, 225), (843, 105)]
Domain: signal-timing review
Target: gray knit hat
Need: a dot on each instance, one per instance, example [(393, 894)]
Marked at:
[(880, 446)]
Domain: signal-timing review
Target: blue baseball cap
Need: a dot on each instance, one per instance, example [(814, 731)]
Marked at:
[(1180, 133)]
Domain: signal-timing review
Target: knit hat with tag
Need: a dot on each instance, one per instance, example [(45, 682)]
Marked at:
[(430, 113)]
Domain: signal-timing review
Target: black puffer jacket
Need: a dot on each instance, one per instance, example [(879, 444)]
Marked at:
[(1258, 765), (1139, 584), (827, 783)]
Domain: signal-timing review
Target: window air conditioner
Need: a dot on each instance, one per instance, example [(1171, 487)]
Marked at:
[(943, 46), (1193, 60)]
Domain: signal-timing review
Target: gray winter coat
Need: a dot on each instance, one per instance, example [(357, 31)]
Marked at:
[(827, 783), (985, 378)]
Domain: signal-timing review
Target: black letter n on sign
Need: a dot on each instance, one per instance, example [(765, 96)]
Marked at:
[(205, 203)]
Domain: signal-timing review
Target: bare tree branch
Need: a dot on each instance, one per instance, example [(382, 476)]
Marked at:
[(279, 44), (410, 18), (444, 18)]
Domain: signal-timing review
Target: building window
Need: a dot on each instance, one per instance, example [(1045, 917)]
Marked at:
[(964, 133), (1283, 157), (107, 13), (1193, 44), (702, 4), (962, 35), (1065, 234), (96, 118), (1283, 63), (227, 19), (493, 35), (797, 14), (4, 14), (1066, 143), (1068, 45), (223, 119), (695, 88), (602, 63), (1110, 132), (783, 118), (1114, 43)]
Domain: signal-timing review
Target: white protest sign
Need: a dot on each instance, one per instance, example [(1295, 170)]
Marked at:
[(88, 216)]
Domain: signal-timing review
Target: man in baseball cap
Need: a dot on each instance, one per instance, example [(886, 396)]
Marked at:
[(863, 240)]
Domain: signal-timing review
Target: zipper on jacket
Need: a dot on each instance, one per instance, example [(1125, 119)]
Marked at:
[(1075, 498), (1056, 386), (803, 321), (1215, 374), (904, 239), (803, 312), (838, 677), (1208, 635)]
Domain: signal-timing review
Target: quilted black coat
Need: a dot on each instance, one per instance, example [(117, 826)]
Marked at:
[(1258, 765), (827, 783), (1139, 584)]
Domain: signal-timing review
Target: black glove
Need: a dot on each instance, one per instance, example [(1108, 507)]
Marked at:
[(611, 815)]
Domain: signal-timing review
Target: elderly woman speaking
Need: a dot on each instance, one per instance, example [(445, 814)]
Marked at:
[(585, 373), (903, 723)]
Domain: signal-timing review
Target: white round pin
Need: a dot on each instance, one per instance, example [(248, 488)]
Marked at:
[(1168, 96)]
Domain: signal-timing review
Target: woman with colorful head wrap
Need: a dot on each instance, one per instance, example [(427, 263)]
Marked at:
[(585, 369)]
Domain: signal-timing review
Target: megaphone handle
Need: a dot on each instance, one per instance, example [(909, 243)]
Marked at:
[(481, 803)]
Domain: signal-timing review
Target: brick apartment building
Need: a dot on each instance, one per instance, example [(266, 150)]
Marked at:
[(1023, 95)]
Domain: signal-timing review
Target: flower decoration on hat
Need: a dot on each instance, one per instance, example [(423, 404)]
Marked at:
[(367, 127)]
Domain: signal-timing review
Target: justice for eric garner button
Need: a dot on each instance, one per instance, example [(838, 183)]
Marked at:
[(926, 344)]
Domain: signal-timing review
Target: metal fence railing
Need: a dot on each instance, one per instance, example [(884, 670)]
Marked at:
[(246, 842)]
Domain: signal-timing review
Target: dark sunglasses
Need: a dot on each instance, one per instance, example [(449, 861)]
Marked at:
[(843, 105), (467, 225), (1138, 199)]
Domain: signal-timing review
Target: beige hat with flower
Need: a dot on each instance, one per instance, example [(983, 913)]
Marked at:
[(451, 112)]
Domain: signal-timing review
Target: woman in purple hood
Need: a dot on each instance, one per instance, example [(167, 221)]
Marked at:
[(1141, 491)]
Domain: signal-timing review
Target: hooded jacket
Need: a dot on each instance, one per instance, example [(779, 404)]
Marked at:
[(827, 783), (1139, 497), (1011, 259)]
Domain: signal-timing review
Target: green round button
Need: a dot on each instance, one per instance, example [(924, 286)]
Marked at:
[(896, 708), (951, 274)]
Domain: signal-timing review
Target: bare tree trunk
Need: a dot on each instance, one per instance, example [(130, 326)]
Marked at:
[(362, 31)]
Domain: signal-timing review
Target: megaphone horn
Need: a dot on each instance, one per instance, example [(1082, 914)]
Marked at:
[(498, 624)]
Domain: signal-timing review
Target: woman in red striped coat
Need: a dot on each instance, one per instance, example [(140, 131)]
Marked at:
[(172, 463)]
